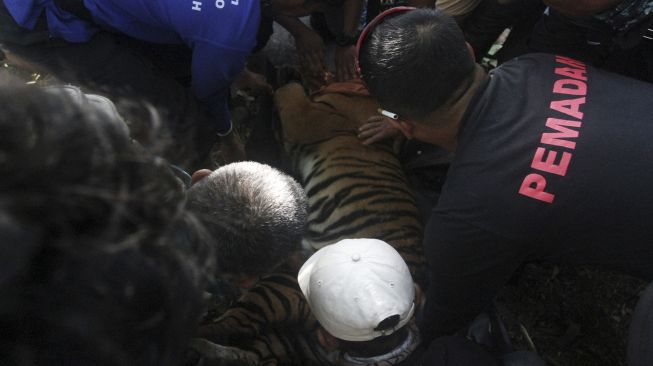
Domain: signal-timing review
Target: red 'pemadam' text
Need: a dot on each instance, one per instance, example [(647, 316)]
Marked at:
[(554, 155)]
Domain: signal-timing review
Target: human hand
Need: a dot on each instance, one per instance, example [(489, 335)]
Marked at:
[(310, 49), (345, 60), (257, 83), (377, 128)]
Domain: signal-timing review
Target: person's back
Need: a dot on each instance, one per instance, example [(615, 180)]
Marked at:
[(550, 166), (228, 23), (550, 161), (144, 51), (563, 147)]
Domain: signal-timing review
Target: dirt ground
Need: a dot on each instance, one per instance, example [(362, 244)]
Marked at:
[(575, 316)]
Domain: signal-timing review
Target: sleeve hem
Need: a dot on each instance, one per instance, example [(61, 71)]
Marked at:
[(231, 127)]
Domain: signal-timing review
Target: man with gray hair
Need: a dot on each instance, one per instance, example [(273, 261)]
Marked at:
[(254, 213)]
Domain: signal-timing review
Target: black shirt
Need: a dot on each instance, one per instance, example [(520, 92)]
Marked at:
[(554, 162)]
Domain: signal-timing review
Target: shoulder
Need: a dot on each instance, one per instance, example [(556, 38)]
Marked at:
[(225, 23), (527, 66)]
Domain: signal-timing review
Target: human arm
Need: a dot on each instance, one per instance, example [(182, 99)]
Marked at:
[(576, 8), (275, 300), (310, 47), (469, 266), (458, 9), (345, 53), (213, 70)]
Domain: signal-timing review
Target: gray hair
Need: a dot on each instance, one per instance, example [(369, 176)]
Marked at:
[(255, 214)]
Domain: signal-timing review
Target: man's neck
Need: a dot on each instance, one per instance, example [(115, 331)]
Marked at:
[(403, 350), (445, 122)]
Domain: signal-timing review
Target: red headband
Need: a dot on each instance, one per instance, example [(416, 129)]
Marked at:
[(371, 25)]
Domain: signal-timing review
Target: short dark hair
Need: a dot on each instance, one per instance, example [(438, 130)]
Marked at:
[(255, 214), (413, 62), (97, 261)]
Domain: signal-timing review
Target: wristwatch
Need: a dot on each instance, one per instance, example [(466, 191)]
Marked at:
[(344, 40)]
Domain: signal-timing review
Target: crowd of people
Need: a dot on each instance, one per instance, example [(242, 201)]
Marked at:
[(108, 247)]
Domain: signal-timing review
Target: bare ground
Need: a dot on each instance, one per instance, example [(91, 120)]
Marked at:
[(575, 316)]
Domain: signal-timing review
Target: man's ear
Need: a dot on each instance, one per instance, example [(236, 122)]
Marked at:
[(470, 49), (327, 341), (199, 175)]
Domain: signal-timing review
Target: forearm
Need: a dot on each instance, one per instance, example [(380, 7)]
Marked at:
[(293, 25), (352, 10), (581, 7)]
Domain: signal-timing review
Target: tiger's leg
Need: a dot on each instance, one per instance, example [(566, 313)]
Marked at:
[(275, 300), (287, 346)]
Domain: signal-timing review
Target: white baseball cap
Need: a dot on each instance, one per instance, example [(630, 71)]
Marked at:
[(353, 285)]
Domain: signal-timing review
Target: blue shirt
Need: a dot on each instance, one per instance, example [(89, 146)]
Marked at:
[(221, 34)]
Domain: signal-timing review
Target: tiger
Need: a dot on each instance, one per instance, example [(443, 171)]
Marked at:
[(354, 191)]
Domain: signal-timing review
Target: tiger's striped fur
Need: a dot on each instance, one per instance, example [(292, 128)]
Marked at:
[(271, 324), (275, 301), (354, 191)]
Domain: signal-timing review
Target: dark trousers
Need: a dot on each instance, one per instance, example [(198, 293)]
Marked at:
[(485, 23), (588, 42), (132, 73)]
